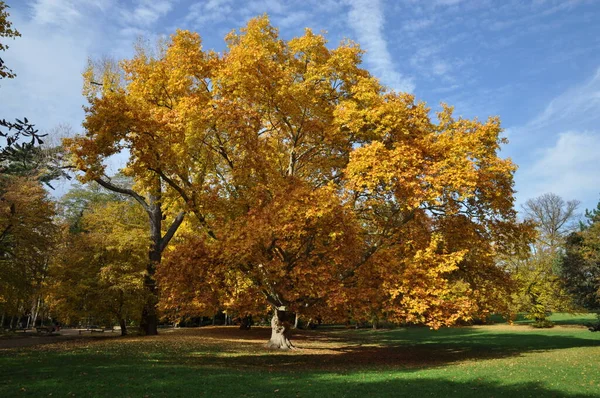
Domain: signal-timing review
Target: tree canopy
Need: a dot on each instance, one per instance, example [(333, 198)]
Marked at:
[(97, 271), (580, 265), (313, 188)]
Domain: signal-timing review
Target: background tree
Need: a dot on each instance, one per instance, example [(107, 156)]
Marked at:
[(98, 270), (554, 218), (27, 236), (580, 264), (26, 229), (535, 270)]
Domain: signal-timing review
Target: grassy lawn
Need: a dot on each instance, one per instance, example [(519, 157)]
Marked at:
[(557, 319), (480, 361)]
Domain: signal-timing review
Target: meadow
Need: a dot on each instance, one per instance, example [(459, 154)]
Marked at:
[(474, 361)]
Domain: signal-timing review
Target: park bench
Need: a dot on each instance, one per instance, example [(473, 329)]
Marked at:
[(45, 329)]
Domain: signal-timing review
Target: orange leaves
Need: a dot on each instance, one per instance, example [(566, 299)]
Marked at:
[(27, 237), (318, 187), (422, 292)]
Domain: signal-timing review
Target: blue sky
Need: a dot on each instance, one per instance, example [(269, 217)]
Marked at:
[(535, 63)]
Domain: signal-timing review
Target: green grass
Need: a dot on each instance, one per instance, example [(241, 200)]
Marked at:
[(557, 319), (482, 361)]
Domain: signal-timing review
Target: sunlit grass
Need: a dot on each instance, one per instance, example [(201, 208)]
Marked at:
[(481, 361)]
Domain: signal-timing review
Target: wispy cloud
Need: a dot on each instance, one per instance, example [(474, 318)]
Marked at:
[(64, 12), (569, 168), (57, 38), (367, 20), (203, 12), (566, 136), (146, 12), (581, 103)]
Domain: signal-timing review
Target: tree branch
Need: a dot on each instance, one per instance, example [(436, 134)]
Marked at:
[(112, 187), (173, 185), (164, 241)]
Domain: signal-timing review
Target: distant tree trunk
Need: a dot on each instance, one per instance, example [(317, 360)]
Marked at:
[(296, 319), (12, 321), (123, 325), (246, 322), (281, 331), (2, 321), (35, 310)]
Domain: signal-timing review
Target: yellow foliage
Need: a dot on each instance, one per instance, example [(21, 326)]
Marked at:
[(313, 187)]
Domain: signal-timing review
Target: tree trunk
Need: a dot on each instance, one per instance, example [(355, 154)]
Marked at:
[(123, 326), (149, 321), (246, 322), (280, 331), (152, 206), (296, 319), (37, 311)]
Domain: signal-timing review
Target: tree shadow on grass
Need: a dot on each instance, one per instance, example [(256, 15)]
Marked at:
[(145, 380), (411, 348), (227, 362)]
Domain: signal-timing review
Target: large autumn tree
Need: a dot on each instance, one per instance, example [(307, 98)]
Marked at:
[(313, 188)]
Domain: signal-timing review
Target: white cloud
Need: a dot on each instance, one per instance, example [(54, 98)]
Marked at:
[(292, 19), (569, 168), (57, 38), (64, 12), (48, 63), (569, 162), (566, 133), (146, 12), (55, 12), (210, 11), (367, 20)]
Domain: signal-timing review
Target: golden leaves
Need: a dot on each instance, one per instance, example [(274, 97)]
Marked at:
[(318, 187)]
